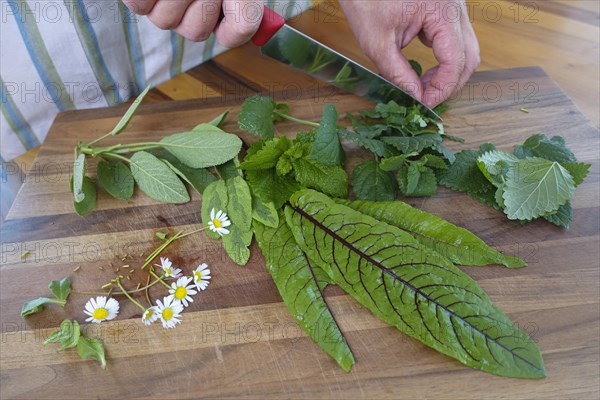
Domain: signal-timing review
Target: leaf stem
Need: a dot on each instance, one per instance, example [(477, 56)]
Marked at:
[(159, 278), (294, 119)]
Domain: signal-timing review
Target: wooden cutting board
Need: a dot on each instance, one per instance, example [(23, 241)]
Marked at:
[(238, 339)]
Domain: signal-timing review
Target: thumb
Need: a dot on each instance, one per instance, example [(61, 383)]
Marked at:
[(396, 68)]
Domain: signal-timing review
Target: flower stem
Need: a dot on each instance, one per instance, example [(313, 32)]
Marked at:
[(117, 293), (118, 282), (294, 119), (159, 278)]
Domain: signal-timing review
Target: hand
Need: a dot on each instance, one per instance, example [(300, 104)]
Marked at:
[(383, 28), (196, 19)]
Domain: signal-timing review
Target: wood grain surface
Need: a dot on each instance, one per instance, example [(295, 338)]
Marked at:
[(238, 339)]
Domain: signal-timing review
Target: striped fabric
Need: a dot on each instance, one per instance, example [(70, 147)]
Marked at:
[(58, 55)]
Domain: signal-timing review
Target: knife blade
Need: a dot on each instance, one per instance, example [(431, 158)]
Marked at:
[(287, 45)]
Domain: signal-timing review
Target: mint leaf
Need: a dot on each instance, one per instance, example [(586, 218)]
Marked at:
[(326, 146), (256, 116), (267, 156), (115, 178), (433, 161), (396, 162), (412, 178), (413, 144), (61, 289), (464, 174), (536, 187), (156, 179), (562, 217), (539, 145), (68, 335), (328, 179), (375, 146), (370, 182), (88, 204), (577, 170), (92, 349), (417, 181), (271, 187)]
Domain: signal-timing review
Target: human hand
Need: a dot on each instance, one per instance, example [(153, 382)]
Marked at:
[(383, 28), (196, 19)]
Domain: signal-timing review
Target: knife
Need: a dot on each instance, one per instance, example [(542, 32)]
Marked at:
[(285, 44)]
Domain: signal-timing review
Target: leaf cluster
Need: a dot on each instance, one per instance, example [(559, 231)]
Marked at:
[(69, 335), (61, 289)]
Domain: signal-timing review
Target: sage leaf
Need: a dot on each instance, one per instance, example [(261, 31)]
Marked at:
[(410, 287), (300, 284), (214, 197), (455, 243), (129, 113), (78, 174), (327, 148), (217, 121), (198, 178), (536, 187), (61, 289), (116, 179), (239, 210), (91, 349), (326, 178), (236, 244), (204, 147), (264, 212), (370, 182), (156, 179), (68, 335), (229, 170), (88, 204)]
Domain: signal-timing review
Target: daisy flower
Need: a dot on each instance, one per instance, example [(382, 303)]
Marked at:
[(218, 222), (202, 276), (100, 309), (169, 311), (149, 316), (167, 267), (181, 291)]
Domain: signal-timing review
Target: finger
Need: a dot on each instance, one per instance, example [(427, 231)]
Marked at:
[(396, 68), (241, 21), (472, 57), (167, 14), (200, 20), (449, 50), (140, 7)]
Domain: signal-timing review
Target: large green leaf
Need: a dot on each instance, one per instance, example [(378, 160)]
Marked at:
[(198, 178), (88, 204), (204, 147), (410, 286), (370, 182), (329, 179), (156, 179), (271, 187), (239, 210), (264, 212), (256, 116), (115, 178), (301, 285), (456, 244), (214, 197)]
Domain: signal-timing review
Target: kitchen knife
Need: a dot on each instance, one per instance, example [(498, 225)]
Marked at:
[(292, 47)]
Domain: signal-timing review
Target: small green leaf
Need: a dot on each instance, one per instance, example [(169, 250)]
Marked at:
[(327, 148), (129, 113), (422, 179), (536, 187), (464, 174), (217, 121), (91, 349), (255, 116), (214, 197), (268, 155), (562, 217), (34, 306), (61, 289), (68, 335), (78, 174), (264, 212), (412, 179), (229, 170), (204, 147), (157, 180), (271, 187), (433, 161), (416, 67), (161, 235), (375, 146), (396, 162), (578, 171), (551, 149), (198, 178), (116, 179), (369, 182), (88, 204), (413, 144), (329, 179), (494, 165)]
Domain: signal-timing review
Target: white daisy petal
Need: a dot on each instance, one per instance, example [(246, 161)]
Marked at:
[(212, 214), (100, 309)]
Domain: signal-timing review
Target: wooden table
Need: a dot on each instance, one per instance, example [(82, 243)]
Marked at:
[(238, 340)]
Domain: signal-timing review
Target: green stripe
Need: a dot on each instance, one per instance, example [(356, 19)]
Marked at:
[(18, 124), (209, 46), (40, 56), (177, 45), (92, 52), (132, 36)]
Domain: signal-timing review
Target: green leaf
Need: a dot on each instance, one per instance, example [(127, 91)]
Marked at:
[(464, 174), (217, 121), (369, 182), (157, 180), (214, 197), (416, 67), (129, 113), (198, 178), (396, 162), (494, 165), (271, 187), (417, 181), (204, 147), (78, 174), (410, 287), (264, 212), (61, 289), (446, 152), (68, 335), (239, 205), (327, 148), (375, 146), (413, 144), (91, 349), (34, 306), (455, 243), (326, 178), (268, 155), (116, 179), (536, 187), (229, 170), (88, 204), (236, 244), (433, 161), (255, 116), (562, 217), (578, 171), (301, 284), (551, 149)]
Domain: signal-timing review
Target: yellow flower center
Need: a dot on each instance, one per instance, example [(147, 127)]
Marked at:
[(100, 313), (217, 223), (149, 313), (169, 271), (167, 314), (180, 293), (198, 276)]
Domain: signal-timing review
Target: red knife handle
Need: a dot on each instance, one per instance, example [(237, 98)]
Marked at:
[(269, 25)]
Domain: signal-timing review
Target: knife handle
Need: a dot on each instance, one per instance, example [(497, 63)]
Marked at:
[(269, 25)]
